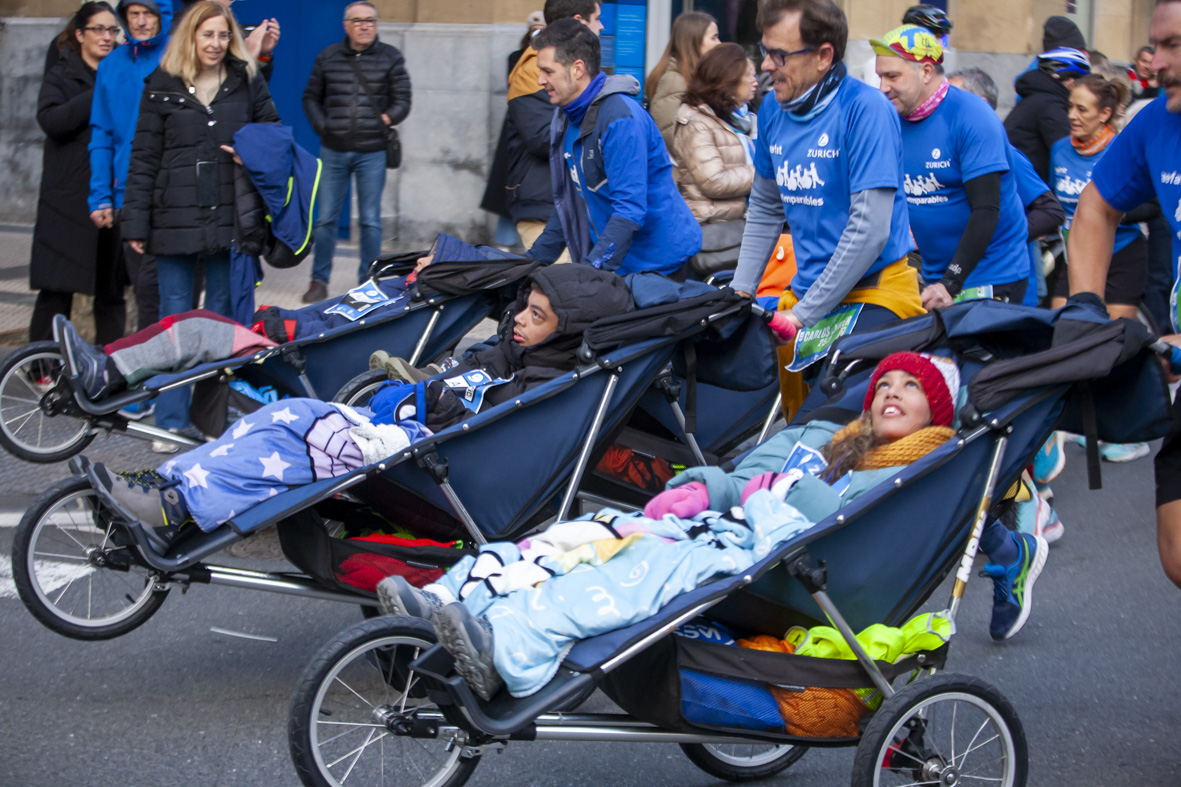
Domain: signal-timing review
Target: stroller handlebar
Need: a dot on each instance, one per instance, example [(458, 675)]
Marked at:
[(1170, 353)]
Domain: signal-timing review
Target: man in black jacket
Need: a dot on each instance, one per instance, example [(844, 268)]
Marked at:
[(353, 133)]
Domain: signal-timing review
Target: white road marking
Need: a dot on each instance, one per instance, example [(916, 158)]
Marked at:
[(52, 575), (10, 518)]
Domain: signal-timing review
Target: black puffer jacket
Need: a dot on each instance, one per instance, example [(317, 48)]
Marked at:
[(336, 104), (1039, 119), (175, 131), (65, 240)]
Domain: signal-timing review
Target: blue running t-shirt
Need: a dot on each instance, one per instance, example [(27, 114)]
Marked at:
[(1030, 186), (851, 145), (962, 140), (1142, 162), (1069, 173)]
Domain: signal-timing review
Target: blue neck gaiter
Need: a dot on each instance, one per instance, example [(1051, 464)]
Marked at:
[(577, 108)]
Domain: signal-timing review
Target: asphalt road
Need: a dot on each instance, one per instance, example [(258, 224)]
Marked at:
[(1093, 676)]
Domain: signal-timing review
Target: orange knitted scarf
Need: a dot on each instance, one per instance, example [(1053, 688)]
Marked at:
[(900, 452), (1092, 146)]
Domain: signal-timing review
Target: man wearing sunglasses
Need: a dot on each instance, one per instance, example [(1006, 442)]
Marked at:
[(828, 160), (346, 81)]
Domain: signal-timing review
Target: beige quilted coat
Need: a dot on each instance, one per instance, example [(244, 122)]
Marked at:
[(666, 100), (709, 165)]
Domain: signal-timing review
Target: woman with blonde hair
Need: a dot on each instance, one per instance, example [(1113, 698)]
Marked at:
[(694, 34), (179, 202)]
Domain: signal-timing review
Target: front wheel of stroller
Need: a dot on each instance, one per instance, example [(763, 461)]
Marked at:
[(361, 714), (742, 762), (946, 729), (27, 431), (358, 391), (76, 571)]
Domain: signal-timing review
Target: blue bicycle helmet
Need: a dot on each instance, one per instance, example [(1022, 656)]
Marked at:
[(1064, 62)]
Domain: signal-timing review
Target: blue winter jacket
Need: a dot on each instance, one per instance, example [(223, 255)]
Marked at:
[(639, 220), (113, 115)]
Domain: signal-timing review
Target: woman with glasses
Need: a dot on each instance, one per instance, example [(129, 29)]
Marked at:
[(70, 254), (179, 201)]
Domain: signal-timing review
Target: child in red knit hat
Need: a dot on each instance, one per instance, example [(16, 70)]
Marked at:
[(908, 412)]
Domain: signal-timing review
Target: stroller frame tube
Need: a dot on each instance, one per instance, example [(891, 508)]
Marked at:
[(275, 583), (679, 414), (965, 569), (588, 445), (419, 348), (840, 624), (462, 512)]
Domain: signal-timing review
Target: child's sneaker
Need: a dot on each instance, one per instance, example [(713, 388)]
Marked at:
[(1013, 585), (1122, 452), (1050, 460), (399, 597), (149, 498), (469, 640)]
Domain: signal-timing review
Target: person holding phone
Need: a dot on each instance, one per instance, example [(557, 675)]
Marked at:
[(179, 201)]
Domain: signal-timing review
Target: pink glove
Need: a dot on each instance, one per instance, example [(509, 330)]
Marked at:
[(682, 501), (761, 481)]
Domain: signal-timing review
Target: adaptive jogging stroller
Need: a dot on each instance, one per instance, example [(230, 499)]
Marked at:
[(86, 570), (44, 417), (381, 704)]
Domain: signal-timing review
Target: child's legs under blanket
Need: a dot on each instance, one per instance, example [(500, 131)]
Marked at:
[(180, 342), (288, 443), (534, 628)]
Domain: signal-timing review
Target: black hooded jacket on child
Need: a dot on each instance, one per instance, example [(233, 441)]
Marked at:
[(578, 295)]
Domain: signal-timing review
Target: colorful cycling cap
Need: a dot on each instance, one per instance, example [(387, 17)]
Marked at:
[(912, 42)]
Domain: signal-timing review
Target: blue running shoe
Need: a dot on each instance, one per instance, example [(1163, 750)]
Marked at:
[(89, 362), (1049, 461), (1122, 452), (1013, 585), (139, 410)]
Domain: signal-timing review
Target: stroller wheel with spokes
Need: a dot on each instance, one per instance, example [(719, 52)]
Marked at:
[(946, 729), (26, 430), (75, 570), (742, 762), (361, 716)]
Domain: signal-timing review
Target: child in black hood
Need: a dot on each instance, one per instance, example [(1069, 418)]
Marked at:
[(538, 341)]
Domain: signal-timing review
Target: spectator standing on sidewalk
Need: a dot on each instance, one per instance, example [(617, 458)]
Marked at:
[(694, 34), (353, 134), (260, 39), (527, 127), (180, 185), (113, 113), (70, 254)]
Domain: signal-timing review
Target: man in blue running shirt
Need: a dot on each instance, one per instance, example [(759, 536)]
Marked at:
[(1142, 162), (828, 161), (965, 212)]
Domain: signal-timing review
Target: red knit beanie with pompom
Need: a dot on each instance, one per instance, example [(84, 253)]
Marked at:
[(934, 381)]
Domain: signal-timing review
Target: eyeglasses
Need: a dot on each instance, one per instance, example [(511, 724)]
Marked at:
[(99, 30), (357, 21), (223, 36), (778, 56)]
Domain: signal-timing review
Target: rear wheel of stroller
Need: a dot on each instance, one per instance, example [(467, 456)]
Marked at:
[(26, 430), (360, 713), (358, 391), (742, 762), (946, 729), (76, 571)]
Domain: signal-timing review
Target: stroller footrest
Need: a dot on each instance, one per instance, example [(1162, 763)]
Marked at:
[(504, 715)]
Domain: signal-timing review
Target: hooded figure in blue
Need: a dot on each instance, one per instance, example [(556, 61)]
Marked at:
[(117, 90), (616, 206)]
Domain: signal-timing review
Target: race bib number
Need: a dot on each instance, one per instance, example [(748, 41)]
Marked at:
[(812, 343), (975, 293), (358, 302), (804, 461), (471, 387)]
